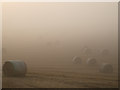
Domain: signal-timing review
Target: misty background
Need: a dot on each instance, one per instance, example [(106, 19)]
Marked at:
[(44, 33)]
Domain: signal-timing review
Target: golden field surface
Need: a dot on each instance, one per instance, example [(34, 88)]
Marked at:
[(67, 75)]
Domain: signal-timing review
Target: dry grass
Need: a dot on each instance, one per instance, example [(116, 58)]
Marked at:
[(63, 76)]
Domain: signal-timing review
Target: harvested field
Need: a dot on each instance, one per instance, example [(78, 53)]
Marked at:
[(62, 76)]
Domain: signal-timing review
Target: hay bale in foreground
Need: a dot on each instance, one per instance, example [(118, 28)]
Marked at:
[(91, 61), (106, 68), (14, 68), (77, 60)]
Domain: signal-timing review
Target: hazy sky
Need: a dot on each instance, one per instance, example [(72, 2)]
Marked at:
[(71, 25)]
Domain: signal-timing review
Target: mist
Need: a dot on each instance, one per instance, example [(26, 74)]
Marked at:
[(52, 33), (39, 30)]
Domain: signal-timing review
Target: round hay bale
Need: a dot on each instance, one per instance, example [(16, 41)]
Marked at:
[(91, 61), (106, 68), (105, 52), (87, 51), (14, 68), (76, 60)]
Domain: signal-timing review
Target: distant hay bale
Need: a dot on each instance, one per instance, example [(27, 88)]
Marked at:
[(76, 60), (87, 51), (14, 68), (105, 52), (106, 68), (91, 61)]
